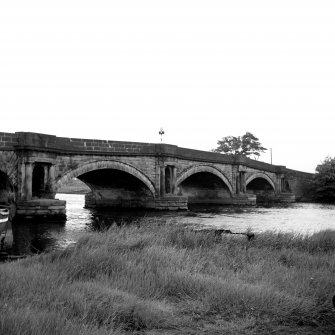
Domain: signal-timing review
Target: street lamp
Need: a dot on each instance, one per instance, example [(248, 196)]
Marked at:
[(161, 132)]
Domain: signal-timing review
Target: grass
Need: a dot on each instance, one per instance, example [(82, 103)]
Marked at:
[(165, 279)]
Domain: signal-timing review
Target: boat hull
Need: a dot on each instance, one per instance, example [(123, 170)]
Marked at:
[(4, 215)]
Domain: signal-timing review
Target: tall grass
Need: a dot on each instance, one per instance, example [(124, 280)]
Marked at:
[(165, 279)]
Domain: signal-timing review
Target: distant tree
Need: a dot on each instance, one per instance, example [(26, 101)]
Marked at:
[(324, 182), (246, 145)]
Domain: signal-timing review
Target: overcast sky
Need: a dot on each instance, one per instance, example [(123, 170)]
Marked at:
[(202, 70)]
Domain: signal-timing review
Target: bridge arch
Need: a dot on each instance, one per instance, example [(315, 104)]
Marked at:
[(263, 176), (204, 168), (104, 164)]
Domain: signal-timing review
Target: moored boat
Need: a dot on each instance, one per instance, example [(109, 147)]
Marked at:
[(4, 216)]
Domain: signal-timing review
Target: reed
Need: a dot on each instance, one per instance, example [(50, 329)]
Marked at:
[(166, 279)]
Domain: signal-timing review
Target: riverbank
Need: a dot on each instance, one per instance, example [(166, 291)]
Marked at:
[(75, 186), (165, 279)]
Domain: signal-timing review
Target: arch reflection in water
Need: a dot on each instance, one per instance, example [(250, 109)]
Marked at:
[(33, 237)]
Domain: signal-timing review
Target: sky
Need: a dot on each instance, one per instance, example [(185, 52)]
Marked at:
[(202, 70)]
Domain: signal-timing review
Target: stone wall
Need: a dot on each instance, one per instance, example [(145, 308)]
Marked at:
[(65, 144), (300, 184), (7, 141)]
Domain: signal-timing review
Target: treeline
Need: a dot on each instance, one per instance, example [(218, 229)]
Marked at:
[(323, 186)]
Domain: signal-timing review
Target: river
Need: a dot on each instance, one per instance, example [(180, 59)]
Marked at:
[(33, 237)]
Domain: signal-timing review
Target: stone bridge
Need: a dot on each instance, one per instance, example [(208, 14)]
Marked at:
[(33, 167)]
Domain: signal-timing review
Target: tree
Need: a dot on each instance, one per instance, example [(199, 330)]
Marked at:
[(324, 182), (245, 145)]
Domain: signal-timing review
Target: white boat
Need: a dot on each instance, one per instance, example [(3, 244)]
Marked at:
[(4, 215)]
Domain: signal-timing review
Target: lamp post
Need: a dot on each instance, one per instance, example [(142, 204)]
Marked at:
[(161, 132)]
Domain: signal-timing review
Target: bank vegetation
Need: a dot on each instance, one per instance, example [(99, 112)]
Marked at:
[(165, 279)]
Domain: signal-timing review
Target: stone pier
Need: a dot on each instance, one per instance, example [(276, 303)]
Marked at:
[(43, 208)]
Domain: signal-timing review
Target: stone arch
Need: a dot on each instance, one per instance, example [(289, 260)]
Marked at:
[(98, 165), (261, 175), (204, 168)]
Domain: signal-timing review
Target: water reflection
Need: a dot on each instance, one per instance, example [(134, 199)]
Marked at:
[(35, 237)]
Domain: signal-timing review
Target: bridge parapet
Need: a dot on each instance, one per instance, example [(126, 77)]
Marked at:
[(79, 145), (43, 142), (7, 141)]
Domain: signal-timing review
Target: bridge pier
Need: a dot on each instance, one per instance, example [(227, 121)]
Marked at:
[(28, 181), (37, 199), (40, 208), (241, 197), (283, 194)]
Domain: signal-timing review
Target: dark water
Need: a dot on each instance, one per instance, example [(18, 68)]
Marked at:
[(45, 236)]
